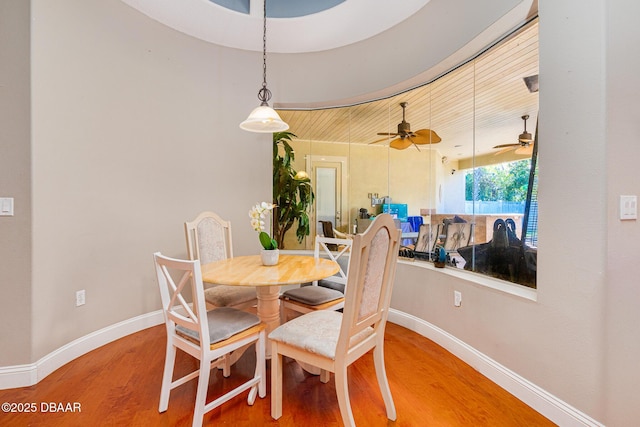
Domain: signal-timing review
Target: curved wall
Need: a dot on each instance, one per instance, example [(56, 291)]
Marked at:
[(15, 181), (557, 341), (135, 130)]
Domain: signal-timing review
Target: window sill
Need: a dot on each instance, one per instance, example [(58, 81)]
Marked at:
[(468, 276), (478, 279)]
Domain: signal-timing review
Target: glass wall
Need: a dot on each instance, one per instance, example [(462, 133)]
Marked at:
[(409, 154)]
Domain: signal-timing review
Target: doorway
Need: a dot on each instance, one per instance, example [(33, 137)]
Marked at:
[(328, 180)]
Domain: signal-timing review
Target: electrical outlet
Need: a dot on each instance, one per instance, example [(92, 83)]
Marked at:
[(457, 298), (80, 298)]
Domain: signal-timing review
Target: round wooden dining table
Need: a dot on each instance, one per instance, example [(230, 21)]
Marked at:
[(249, 271)]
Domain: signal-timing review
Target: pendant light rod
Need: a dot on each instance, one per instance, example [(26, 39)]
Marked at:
[(264, 94), (264, 118)]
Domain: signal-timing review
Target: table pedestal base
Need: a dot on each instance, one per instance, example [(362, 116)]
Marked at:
[(269, 309)]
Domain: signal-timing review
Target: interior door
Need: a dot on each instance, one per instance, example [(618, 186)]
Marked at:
[(327, 182)]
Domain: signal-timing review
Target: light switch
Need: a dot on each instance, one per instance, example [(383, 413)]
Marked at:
[(628, 207), (457, 298), (6, 206)]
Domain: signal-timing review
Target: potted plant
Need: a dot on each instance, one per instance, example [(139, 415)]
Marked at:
[(292, 192), (269, 253)]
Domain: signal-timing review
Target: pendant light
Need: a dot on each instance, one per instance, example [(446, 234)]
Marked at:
[(264, 118)]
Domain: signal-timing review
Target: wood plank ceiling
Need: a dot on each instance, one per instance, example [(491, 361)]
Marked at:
[(472, 108)]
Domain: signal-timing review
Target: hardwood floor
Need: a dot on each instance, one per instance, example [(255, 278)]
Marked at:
[(119, 385)]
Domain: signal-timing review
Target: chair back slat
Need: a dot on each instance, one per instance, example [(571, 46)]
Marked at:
[(175, 307), (177, 303), (323, 247)]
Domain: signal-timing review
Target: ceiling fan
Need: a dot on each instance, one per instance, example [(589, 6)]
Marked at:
[(523, 146), (406, 137)]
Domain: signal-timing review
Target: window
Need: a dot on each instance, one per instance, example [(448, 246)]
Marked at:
[(388, 158)]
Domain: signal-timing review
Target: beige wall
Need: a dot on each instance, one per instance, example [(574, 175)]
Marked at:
[(135, 130), (368, 173), (579, 340), (15, 181), (407, 176), (621, 371)]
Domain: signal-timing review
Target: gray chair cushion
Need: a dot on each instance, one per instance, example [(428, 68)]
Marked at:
[(224, 296), (312, 295), (224, 322), (343, 262), (327, 283)]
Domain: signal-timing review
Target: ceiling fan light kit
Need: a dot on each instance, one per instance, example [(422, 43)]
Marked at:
[(525, 137), (264, 119), (406, 138)]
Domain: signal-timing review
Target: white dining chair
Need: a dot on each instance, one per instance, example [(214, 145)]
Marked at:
[(325, 294), (331, 340), (209, 239), (208, 336)]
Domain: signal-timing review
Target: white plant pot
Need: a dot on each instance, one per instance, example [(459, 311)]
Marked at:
[(270, 257)]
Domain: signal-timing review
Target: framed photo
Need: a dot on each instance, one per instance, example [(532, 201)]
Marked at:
[(423, 243), (458, 235)]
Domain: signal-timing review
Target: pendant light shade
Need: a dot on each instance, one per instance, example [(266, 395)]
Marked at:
[(264, 118)]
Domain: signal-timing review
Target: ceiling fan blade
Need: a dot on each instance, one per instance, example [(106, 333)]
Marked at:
[(413, 141), (417, 139), (387, 133), (505, 150), (379, 140), (525, 150), (400, 143), (507, 145), (430, 136)]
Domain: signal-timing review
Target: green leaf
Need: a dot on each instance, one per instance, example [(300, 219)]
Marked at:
[(294, 197), (266, 241)]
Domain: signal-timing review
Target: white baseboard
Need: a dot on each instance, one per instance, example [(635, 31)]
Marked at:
[(27, 375), (542, 401)]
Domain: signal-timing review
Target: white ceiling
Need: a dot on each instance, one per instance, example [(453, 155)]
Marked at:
[(349, 22)]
